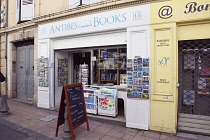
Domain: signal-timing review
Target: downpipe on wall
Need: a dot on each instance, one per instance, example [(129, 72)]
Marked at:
[(4, 108)]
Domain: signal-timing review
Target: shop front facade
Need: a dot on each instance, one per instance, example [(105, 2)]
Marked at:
[(155, 56), (109, 46), (180, 90), (94, 50)]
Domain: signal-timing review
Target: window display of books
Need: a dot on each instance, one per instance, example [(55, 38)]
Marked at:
[(62, 72), (138, 78), (42, 71), (111, 65)]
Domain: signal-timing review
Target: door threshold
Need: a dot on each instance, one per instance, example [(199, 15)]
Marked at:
[(23, 101), (118, 120)]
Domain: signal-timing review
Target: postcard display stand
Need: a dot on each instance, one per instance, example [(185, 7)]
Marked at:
[(107, 102), (42, 71), (83, 74), (90, 97), (62, 72), (138, 78)]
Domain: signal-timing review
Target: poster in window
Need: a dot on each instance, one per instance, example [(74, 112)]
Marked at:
[(189, 61), (189, 97), (203, 85)]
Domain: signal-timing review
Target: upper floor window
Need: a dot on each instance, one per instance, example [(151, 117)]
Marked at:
[(25, 10), (2, 25), (75, 3)]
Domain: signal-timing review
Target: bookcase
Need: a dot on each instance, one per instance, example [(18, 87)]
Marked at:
[(111, 66)]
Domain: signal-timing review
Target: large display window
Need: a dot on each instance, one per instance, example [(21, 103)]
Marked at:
[(111, 66), (106, 66), (101, 69)]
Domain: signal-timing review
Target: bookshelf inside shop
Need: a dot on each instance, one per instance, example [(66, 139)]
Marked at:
[(111, 66)]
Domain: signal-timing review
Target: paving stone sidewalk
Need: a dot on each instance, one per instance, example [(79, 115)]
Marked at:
[(26, 118)]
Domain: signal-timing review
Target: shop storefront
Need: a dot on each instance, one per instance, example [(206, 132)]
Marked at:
[(108, 52), (180, 44)]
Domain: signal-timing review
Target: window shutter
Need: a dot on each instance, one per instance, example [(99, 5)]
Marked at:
[(73, 3), (27, 10), (90, 1), (18, 11), (2, 16)]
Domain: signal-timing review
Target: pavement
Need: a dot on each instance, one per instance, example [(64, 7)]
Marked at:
[(22, 122)]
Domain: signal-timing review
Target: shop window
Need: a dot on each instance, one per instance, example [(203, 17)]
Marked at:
[(100, 66), (25, 10), (110, 67)]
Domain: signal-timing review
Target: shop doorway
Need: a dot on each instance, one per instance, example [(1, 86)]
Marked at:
[(81, 63), (194, 86), (90, 59), (25, 71)]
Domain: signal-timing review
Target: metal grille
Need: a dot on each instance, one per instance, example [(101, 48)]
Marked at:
[(194, 77)]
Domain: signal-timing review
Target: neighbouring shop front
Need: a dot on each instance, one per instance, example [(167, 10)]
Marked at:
[(180, 46), (109, 52), (194, 79)]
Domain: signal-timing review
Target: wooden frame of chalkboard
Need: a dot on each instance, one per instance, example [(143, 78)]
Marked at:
[(76, 109)]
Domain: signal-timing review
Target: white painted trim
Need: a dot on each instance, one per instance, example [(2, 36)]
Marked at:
[(138, 44), (44, 94), (43, 97), (43, 105), (144, 127), (91, 40)]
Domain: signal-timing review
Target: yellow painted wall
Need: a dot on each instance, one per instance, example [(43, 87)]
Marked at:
[(177, 11), (172, 21), (194, 31), (12, 12), (44, 7)]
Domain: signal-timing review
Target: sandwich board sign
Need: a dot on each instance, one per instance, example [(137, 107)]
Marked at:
[(76, 110)]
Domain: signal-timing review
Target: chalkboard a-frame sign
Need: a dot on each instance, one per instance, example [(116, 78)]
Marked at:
[(77, 115)]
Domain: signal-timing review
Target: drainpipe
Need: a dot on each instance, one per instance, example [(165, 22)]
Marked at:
[(6, 25), (4, 108)]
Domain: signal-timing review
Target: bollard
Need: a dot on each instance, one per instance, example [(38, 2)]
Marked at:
[(66, 128), (4, 108)]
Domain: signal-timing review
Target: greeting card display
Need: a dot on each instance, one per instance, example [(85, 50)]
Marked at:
[(83, 74), (62, 72), (138, 78), (42, 71)]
